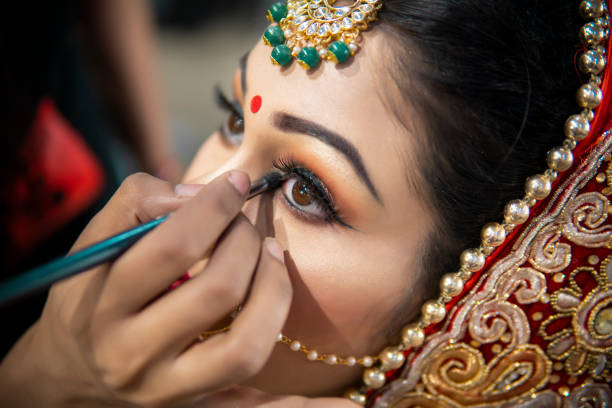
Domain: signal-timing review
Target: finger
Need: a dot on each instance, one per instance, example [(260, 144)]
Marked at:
[(139, 199), (232, 357), (152, 264), (247, 397), (204, 300)]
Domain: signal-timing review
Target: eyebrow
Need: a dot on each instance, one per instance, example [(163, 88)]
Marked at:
[(243, 66), (292, 124)]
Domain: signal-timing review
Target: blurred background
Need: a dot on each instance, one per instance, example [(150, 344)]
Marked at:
[(199, 44), (92, 91)]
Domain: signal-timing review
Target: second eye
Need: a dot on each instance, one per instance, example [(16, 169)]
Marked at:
[(233, 129)]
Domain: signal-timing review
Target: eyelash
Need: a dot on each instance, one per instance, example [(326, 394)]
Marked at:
[(320, 193), (235, 111)]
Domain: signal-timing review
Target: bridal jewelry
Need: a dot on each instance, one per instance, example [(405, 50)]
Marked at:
[(538, 187), (316, 30)]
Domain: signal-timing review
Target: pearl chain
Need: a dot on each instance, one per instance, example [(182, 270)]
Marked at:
[(331, 359), (577, 127)]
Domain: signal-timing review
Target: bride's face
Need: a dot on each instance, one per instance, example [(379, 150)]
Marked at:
[(350, 218)]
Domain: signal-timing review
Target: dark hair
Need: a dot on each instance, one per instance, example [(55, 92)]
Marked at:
[(492, 82)]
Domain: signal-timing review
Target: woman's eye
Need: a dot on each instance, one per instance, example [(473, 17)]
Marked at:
[(233, 129), (300, 196)]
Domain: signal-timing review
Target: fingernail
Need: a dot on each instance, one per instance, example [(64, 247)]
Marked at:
[(187, 190), (240, 181), (275, 250)]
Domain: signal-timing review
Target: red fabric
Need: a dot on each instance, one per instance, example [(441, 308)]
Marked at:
[(62, 179), (585, 281)]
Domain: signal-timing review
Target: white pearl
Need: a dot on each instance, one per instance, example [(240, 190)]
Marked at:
[(433, 311), (279, 337), (589, 96), (577, 127), (538, 186), (356, 397), (516, 212), (413, 336), (295, 345), (591, 9), (331, 359), (351, 361), (560, 159), (323, 53), (451, 284), (391, 358), (472, 260), (312, 355), (353, 48), (374, 378), (592, 62), (367, 361), (493, 234)]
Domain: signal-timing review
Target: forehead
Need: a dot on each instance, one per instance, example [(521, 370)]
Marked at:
[(348, 99)]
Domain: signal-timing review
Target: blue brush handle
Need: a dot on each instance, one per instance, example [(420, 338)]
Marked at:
[(45, 275)]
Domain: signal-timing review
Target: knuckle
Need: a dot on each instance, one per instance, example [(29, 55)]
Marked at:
[(117, 367), (226, 293), (134, 183), (176, 250), (248, 356), (190, 249), (115, 371)]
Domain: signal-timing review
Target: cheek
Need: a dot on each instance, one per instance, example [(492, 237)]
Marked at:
[(340, 300)]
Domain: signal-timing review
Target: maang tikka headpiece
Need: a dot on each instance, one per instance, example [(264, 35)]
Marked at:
[(316, 30)]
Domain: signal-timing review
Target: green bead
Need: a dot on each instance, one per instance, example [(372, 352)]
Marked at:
[(281, 55), (309, 57), (274, 36), (277, 12), (338, 52)]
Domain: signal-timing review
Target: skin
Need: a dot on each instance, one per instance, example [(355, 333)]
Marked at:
[(115, 336), (334, 308)]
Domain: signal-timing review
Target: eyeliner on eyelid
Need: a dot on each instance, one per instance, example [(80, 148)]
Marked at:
[(321, 194)]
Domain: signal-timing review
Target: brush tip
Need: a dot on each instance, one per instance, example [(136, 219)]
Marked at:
[(275, 179)]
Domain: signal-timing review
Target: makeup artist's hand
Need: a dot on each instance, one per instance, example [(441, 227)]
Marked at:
[(114, 336), (247, 397)]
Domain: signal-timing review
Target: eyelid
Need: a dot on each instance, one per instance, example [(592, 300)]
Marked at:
[(224, 102)]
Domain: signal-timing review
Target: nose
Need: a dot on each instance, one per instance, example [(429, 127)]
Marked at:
[(260, 211)]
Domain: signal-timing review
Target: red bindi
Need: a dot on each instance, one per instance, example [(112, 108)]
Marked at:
[(256, 104)]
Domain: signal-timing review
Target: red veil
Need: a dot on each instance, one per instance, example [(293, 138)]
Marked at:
[(533, 327)]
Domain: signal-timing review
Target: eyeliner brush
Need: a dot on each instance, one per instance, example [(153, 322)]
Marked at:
[(42, 277)]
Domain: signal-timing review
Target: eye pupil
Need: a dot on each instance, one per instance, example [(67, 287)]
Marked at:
[(235, 124), (301, 193)]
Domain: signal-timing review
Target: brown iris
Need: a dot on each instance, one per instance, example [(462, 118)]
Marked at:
[(301, 193), (235, 124)]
